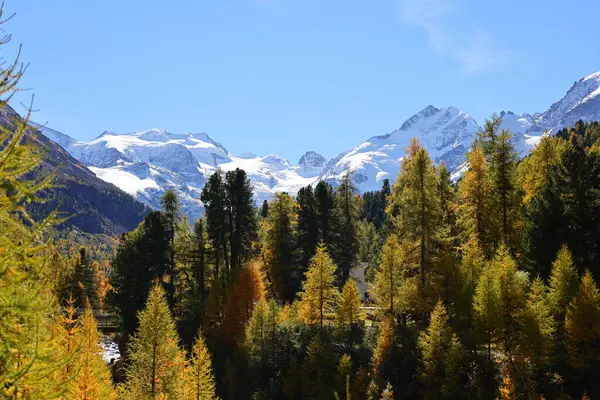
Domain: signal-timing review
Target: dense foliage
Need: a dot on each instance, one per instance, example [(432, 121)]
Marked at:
[(481, 289)]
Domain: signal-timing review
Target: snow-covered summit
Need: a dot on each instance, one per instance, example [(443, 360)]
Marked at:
[(582, 102), (311, 163), (446, 132)]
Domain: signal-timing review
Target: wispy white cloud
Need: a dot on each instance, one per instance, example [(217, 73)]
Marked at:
[(474, 51)]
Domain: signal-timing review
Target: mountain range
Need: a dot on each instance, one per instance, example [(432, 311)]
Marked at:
[(146, 164)]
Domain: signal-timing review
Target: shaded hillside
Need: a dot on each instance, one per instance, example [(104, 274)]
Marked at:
[(95, 206)]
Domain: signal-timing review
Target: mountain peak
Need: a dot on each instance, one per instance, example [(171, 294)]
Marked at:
[(312, 159)]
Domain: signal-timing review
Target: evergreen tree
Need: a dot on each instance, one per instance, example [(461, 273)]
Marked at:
[(415, 198), (504, 160), (325, 208), (214, 198), (141, 256), (308, 226), (318, 291), (157, 363), (348, 312), (345, 245), (242, 221), (200, 383), (170, 206), (545, 226), (318, 371), (280, 247), (84, 281), (264, 209), (579, 182)]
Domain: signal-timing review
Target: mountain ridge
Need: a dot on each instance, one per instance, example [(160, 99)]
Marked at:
[(147, 163)]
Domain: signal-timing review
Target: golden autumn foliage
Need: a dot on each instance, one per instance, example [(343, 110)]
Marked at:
[(348, 312), (245, 294), (157, 362), (318, 291), (92, 379), (200, 383)]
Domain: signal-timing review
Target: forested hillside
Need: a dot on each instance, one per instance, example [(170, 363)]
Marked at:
[(484, 289), (93, 205)]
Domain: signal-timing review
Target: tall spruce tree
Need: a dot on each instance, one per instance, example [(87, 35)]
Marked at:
[(325, 214), (504, 161), (142, 255), (170, 207), (214, 198), (308, 225), (242, 218), (344, 248), (280, 247)]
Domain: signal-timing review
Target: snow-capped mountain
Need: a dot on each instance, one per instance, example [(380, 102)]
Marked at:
[(146, 164), (582, 102), (446, 133)]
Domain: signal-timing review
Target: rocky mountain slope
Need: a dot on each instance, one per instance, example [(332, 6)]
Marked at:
[(94, 205), (146, 164)]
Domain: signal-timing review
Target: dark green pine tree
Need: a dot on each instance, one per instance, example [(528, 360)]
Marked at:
[(170, 207), (579, 182), (214, 198), (264, 210), (345, 245), (308, 227), (141, 257), (325, 203), (84, 281), (504, 162), (545, 227), (241, 217)]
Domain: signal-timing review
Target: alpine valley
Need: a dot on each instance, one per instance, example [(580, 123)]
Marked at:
[(146, 164)]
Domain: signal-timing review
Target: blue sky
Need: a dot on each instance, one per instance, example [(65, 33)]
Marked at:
[(286, 76)]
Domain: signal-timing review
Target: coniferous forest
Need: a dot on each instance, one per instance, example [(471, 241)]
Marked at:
[(484, 288)]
